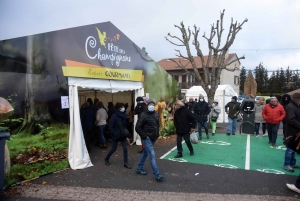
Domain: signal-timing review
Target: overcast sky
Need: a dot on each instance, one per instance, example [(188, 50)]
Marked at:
[(270, 36)]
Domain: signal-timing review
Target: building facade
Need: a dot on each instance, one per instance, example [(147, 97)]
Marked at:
[(186, 81)]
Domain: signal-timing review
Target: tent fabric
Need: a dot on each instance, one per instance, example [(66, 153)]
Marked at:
[(223, 93), (78, 155)]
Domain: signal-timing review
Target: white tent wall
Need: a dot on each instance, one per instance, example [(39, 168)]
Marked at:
[(77, 153), (223, 93)]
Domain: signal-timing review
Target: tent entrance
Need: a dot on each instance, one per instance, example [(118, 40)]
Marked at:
[(107, 91)]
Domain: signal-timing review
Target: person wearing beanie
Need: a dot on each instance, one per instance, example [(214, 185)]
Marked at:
[(232, 109), (258, 119), (139, 108), (273, 113), (213, 116), (293, 127), (116, 123), (201, 110), (147, 127)]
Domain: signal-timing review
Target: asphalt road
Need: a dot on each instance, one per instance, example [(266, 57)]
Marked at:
[(179, 177)]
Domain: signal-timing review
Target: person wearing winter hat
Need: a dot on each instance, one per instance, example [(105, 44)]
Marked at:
[(147, 127), (293, 126), (139, 108), (214, 114), (232, 109), (118, 120), (201, 110)]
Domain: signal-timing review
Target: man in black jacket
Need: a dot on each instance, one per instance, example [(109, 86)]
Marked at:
[(184, 122), (201, 110), (293, 128), (232, 109), (284, 101), (147, 127)]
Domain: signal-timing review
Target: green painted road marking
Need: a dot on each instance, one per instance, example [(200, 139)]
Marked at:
[(236, 152)]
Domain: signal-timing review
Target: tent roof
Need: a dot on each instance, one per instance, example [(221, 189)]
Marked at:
[(196, 90)]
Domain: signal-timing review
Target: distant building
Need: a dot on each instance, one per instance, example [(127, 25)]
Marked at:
[(187, 81)]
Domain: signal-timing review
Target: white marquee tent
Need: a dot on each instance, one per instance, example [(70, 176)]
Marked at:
[(223, 93), (78, 155)]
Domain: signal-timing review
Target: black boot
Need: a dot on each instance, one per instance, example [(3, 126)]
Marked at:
[(103, 146), (127, 166), (178, 155), (191, 153), (107, 162)]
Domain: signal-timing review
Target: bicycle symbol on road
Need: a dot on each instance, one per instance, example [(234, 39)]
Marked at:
[(216, 142), (226, 166), (180, 160), (271, 171)]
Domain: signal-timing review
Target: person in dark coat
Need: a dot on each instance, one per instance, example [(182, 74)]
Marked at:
[(284, 101), (90, 101), (184, 122), (119, 117), (87, 122), (190, 104), (147, 127), (292, 121), (232, 109), (201, 111), (111, 110), (139, 108), (293, 128)]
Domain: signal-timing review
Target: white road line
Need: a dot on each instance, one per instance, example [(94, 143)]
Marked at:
[(247, 162), (170, 151)]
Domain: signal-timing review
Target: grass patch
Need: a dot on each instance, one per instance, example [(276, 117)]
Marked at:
[(56, 138), (48, 149), (20, 172)]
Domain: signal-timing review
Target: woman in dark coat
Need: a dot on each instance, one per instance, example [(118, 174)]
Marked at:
[(185, 123), (87, 121), (118, 117)]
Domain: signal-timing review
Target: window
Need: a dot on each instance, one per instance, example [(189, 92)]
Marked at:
[(191, 78), (237, 80), (175, 77)]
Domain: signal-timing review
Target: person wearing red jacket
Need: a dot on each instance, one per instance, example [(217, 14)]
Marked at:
[(273, 113)]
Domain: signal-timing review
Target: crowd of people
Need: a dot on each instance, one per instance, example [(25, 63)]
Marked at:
[(187, 117)]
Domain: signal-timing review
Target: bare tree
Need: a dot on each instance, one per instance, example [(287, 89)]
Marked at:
[(210, 78)]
